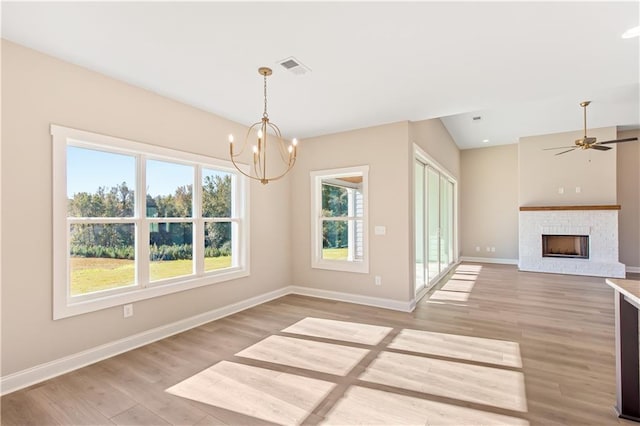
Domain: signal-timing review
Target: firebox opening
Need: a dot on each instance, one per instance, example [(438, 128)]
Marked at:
[(573, 246)]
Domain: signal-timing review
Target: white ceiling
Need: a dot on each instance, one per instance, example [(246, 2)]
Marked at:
[(523, 67)]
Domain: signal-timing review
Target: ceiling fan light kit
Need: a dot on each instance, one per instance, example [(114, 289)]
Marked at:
[(586, 142)]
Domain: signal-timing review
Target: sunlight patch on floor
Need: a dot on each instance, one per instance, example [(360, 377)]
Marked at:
[(287, 398), (499, 352), (375, 407), (490, 386), (339, 330), (258, 392), (453, 296), (458, 287), (307, 354)]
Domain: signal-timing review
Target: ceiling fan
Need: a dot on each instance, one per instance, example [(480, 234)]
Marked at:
[(587, 142)]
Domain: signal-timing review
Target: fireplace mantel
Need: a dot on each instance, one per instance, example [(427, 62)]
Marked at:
[(550, 208)]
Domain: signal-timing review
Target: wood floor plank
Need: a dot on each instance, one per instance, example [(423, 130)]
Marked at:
[(138, 415), (484, 336)]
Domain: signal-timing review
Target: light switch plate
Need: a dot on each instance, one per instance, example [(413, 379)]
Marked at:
[(380, 230)]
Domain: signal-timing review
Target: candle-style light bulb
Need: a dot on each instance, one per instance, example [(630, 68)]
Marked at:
[(260, 134), (230, 138), (255, 149), (294, 142), (290, 149)]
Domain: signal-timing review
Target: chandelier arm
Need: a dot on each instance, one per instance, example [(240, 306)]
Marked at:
[(283, 173), (284, 154), (246, 140), (241, 171)]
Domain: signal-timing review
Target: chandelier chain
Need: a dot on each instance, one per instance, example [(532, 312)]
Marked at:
[(264, 114)]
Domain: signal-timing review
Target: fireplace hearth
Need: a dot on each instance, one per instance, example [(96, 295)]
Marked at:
[(565, 246)]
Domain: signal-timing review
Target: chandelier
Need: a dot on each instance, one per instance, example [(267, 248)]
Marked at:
[(266, 130)]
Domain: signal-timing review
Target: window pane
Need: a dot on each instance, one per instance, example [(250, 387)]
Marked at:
[(335, 200), (433, 222), (216, 193), (343, 240), (99, 184), (170, 250), (169, 189), (102, 257), (217, 245)]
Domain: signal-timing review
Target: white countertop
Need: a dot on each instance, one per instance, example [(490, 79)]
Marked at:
[(630, 288)]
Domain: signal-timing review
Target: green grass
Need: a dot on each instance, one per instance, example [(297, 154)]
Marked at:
[(335, 253), (90, 274)]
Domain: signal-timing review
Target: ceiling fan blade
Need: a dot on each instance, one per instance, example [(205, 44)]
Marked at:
[(619, 140), (564, 152), (600, 148), (559, 147)]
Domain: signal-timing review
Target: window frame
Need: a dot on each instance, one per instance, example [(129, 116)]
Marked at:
[(317, 261), (65, 305)]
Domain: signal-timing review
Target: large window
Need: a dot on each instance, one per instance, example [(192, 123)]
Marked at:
[(134, 221), (339, 218)]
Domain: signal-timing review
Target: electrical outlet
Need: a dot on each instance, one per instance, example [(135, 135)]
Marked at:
[(578, 190), (127, 310), (378, 280), (493, 249), (561, 190), (380, 230), (488, 248), (477, 248)]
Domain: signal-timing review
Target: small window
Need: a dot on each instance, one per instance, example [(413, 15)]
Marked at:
[(339, 218)]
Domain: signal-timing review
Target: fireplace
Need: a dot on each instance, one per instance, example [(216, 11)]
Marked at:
[(590, 246), (567, 246)]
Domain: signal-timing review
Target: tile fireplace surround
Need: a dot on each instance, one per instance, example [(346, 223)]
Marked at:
[(600, 223)]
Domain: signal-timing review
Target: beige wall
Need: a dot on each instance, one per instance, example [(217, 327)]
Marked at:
[(489, 202), (432, 136), (38, 90), (542, 172), (629, 199), (487, 212), (385, 149)]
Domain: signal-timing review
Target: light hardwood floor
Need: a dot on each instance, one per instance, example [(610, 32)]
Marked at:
[(491, 345)]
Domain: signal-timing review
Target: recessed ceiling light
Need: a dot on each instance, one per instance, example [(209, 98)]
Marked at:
[(485, 140), (632, 32)]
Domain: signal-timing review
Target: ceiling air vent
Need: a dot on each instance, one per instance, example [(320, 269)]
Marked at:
[(476, 118), (294, 66)]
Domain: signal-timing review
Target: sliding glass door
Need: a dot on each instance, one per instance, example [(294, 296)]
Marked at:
[(420, 250), (434, 224)]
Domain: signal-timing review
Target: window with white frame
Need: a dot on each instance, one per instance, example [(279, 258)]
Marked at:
[(134, 221), (339, 203)]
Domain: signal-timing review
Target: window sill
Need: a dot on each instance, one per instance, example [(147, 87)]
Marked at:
[(64, 309), (342, 266)]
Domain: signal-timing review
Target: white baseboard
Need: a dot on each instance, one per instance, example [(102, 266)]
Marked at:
[(633, 269), (39, 373), (489, 260), (377, 302)]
